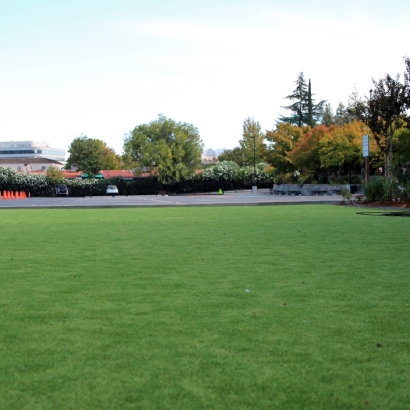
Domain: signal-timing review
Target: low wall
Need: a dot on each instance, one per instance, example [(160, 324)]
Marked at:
[(308, 189)]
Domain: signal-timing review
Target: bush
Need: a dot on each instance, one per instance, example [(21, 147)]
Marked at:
[(287, 178), (226, 171), (35, 184), (263, 178), (377, 189), (346, 195)]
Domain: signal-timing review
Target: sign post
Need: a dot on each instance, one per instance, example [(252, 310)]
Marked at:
[(366, 156)]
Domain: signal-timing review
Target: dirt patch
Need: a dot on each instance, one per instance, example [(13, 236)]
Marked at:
[(402, 204)]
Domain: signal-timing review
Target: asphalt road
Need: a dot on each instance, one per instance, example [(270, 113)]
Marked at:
[(239, 198)]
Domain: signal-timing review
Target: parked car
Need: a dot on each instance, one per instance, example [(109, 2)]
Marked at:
[(62, 189), (112, 190)]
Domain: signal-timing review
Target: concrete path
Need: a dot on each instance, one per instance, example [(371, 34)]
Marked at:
[(240, 198)]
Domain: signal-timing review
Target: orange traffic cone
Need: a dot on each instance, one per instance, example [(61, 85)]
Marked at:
[(7, 195), (17, 195), (23, 195)]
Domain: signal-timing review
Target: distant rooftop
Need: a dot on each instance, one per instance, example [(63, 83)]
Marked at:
[(31, 149), (28, 160)]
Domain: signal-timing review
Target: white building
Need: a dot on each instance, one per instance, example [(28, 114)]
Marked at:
[(30, 164), (31, 149)]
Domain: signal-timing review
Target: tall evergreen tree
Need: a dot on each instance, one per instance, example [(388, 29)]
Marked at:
[(304, 110), (407, 88), (352, 102), (327, 117), (298, 108), (310, 105), (341, 116)]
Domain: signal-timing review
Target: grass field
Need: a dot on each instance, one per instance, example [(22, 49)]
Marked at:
[(204, 308)]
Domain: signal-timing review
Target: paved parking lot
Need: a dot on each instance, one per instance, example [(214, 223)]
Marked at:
[(229, 198)]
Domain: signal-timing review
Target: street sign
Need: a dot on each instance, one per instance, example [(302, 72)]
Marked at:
[(365, 145)]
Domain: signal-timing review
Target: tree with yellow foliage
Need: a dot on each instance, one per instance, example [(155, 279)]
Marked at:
[(281, 142), (341, 145)]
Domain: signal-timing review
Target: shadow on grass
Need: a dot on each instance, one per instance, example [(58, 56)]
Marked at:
[(403, 213)]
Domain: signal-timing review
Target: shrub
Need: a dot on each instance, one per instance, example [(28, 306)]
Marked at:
[(346, 195), (227, 171), (54, 176), (377, 189), (248, 174)]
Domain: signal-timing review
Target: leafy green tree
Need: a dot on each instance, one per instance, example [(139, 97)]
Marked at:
[(170, 149), (87, 153), (383, 112), (236, 155), (54, 176), (110, 159), (304, 110), (401, 139), (252, 142)]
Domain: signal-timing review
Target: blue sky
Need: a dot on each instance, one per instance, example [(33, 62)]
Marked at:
[(102, 67)]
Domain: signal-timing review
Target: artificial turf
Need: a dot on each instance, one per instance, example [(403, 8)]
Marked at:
[(284, 307)]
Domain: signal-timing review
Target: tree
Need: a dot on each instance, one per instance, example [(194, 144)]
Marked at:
[(328, 118), (170, 149), (236, 155), (54, 175), (305, 111), (305, 155), (309, 106), (252, 140), (407, 90), (383, 111), (343, 145), (352, 102), (341, 116), (87, 153), (110, 158), (401, 139), (281, 142)]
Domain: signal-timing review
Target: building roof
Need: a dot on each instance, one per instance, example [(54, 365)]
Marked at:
[(23, 160), (38, 171), (112, 173), (72, 174)]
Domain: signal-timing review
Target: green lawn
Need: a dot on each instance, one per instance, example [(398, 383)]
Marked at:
[(149, 308)]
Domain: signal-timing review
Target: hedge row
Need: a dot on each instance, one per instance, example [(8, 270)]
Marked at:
[(38, 185)]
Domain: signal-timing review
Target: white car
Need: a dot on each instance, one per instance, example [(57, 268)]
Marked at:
[(112, 190)]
